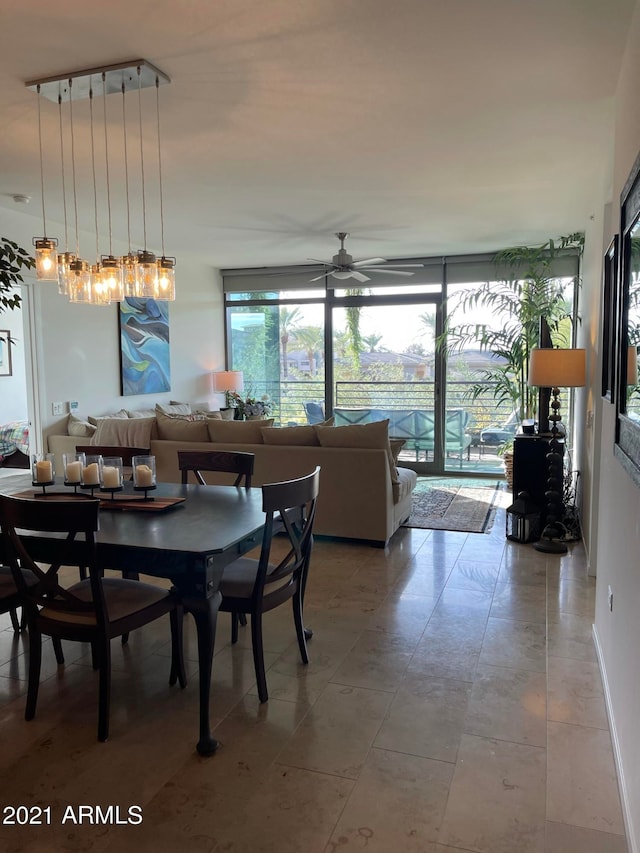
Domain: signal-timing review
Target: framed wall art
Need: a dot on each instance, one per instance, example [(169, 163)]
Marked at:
[(144, 346), (610, 313)]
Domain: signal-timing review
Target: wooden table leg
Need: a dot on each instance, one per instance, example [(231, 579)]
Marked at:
[(205, 614)]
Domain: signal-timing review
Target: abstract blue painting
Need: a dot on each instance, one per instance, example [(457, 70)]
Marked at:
[(144, 346)]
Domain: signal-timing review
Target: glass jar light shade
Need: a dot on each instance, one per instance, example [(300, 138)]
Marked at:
[(128, 264), (166, 281), (146, 275), (46, 259), (79, 281), (112, 278), (99, 292), (64, 260)]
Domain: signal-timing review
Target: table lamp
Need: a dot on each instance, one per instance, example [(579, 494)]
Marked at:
[(555, 369), (226, 381)]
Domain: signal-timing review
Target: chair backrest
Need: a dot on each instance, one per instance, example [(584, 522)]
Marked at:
[(77, 517), (227, 461), (290, 508), (314, 412)]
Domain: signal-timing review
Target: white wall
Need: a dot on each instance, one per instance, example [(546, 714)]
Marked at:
[(618, 540)]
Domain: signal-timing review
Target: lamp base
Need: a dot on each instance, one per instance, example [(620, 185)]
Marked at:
[(551, 546)]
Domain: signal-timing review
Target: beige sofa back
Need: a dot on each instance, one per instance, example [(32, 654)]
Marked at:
[(355, 500)]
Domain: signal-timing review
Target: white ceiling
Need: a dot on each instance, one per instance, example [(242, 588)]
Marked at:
[(421, 127)]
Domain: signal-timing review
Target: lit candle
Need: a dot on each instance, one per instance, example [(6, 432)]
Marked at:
[(91, 475), (110, 477), (144, 475), (74, 472), (44, 471)]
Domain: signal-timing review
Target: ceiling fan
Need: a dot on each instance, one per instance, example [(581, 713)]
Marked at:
[(343, 266)]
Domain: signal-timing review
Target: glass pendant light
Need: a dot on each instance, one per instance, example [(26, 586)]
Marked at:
[(79, 281), (65, 258), (128, 261), (146, 269), (111, 268), (166, 275), (99, 293), (46, 247)]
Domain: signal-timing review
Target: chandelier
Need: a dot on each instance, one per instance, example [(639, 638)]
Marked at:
[(110, 278)]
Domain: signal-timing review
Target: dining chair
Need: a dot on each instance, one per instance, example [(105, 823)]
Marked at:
[(253, 587), (229, 461), (10, 598), (93, 610)]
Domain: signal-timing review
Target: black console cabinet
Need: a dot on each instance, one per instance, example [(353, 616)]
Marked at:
[(530, 467)]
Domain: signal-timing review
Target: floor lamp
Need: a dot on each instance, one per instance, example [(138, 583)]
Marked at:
[(555, 369)]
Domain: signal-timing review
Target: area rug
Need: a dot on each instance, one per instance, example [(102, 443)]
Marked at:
[(454, 505)]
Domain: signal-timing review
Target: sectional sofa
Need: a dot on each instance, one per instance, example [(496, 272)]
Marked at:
[(364, 495)]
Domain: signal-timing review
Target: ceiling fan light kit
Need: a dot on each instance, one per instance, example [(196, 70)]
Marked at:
[(343, 266)]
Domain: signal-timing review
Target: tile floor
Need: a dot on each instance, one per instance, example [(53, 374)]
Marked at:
[(452, 703)]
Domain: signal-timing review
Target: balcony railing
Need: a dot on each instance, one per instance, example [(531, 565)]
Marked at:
[(289, 397)]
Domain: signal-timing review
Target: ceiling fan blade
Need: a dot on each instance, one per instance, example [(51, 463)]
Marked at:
[(359, 276), (369, 261), (341, 274), (318, 277), (389, 272), (402, 266), (318, 261)]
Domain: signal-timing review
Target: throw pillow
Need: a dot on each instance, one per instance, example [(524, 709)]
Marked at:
[(176, 409), (228, 414), (372, 435), (124, 432), (195, 407), (76, 426), (237, 432), (296, 436), (215, 415), (141, 413), (122, 413), (396, 445), (176, 428)]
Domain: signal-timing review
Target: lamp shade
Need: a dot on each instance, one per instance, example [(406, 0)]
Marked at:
[(228, 380), (557, 368)]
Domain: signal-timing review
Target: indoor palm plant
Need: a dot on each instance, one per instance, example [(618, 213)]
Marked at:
[(524, 292)]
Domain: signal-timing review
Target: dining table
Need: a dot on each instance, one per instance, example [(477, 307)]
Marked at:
[(189, 536)]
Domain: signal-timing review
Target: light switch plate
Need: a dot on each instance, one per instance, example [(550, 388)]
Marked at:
[(57, 408)]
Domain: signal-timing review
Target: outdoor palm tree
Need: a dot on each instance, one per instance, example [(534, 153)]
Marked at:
[(372, 341), (311, 338), (288, 319)]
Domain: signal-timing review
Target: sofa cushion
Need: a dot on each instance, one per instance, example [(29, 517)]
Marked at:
[(237, 432), (124, 432), (76, 426), (121, 413), (295, 435), (396, 445), (405, 484), (372, 435), (181, 428), (175, 409)]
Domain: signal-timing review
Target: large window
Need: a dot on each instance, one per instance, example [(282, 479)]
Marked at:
[(373, 347)]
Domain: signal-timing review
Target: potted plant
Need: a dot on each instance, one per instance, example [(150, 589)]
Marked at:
[(524, 292), (13, 260)]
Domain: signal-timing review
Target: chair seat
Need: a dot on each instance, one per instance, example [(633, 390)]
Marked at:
[(239, 579), (7, 585), (122, 597)]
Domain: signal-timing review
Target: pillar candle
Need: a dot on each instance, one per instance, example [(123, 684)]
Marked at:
[(110, 477), (91, 475), (144, 475), (44, 471), (74, 472)]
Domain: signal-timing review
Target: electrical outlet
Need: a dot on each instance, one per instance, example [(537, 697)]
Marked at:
[(610, 598), (57, 408)]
